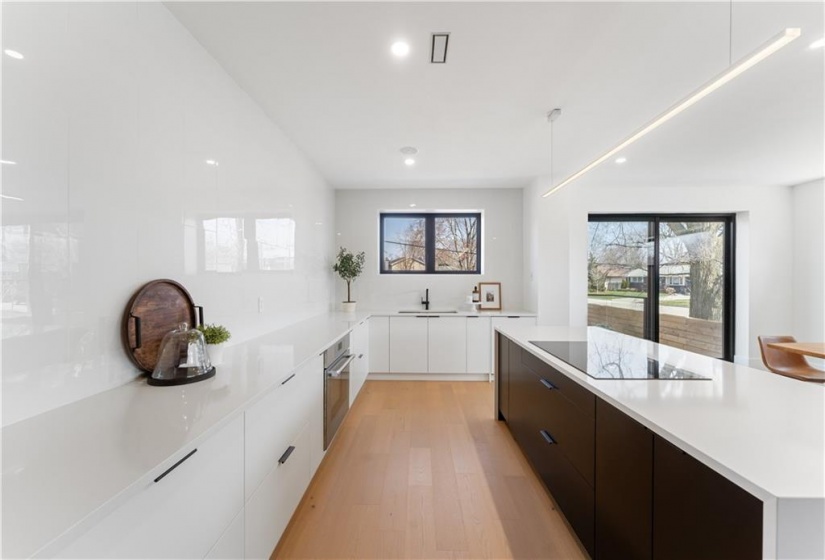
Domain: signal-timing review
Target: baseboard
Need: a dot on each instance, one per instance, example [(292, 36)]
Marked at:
[(428, 377)]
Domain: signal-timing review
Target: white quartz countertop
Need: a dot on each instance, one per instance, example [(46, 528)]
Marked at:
[(763, 431), (446, 312), (72, 463)]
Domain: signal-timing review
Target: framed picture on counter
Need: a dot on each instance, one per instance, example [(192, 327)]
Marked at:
[(490, 296)]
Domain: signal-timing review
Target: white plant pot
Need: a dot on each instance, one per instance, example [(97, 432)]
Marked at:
[(348, 306), (215, 352)]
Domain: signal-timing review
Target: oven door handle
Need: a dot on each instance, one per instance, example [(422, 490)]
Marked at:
[(336, 371)]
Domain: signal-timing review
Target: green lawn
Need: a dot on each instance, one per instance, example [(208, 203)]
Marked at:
[(637, 295)]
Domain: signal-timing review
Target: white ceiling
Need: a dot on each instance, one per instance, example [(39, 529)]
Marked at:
[(323, 72)]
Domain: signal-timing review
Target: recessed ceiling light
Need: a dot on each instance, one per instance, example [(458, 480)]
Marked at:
[(7, 162), (409, 150), (818, 44), (409, 161), (211, 162), (621, 160), (400, 49), (412, 205), (13, 54)]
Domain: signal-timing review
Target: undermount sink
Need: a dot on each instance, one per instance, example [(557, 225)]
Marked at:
[(429, 312)]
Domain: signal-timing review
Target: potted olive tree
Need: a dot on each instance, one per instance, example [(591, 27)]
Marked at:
[(214, 336), (349, 267)]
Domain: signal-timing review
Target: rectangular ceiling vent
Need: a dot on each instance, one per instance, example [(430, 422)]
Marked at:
[(439, 52)]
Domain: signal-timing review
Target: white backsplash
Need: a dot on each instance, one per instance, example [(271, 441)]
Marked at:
[(111, 118)]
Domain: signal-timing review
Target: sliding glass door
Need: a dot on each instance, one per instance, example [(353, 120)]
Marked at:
[(667, 278)]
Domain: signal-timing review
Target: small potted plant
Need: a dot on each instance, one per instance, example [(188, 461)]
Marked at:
[(349, 267), (214, 336)]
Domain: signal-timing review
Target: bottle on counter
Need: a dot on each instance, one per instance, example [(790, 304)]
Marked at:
[(476, 295)]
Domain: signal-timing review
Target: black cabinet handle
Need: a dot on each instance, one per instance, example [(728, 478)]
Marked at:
[(514, 316), (285, 381), (547, 437), (547, 384), (286, 454), (176, 465)]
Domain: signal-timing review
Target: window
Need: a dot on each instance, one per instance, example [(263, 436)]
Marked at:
[(443, 243), (680, 279)]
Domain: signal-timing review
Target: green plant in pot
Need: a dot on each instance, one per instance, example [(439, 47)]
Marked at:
[(214, 336), (349, 266)]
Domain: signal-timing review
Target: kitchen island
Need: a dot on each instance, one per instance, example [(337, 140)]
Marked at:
[(755, 438)]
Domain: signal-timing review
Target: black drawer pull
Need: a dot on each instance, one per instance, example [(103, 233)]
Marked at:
[(286, 454), (176, 465), (547, 437), (287, 380), (514, 316), (547, 384)]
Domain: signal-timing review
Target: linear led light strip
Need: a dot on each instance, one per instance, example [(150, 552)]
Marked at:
[(737, 69)]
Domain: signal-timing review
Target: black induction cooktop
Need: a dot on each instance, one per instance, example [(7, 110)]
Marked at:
[(613, 361)]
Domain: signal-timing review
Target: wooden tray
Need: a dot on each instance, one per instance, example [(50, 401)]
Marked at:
[(155, 310)]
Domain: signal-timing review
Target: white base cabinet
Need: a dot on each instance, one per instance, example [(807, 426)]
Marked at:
[(271, 506), (231, 544), (433, 345), (379, 356), (479, 345), (183, 514), (359, 369), (284, 445), (446, 344), (408, 344)]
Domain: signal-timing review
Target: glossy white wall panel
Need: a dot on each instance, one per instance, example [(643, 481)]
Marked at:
[(111, 117)]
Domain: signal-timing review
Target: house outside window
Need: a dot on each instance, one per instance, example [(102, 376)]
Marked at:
[(430, 243)]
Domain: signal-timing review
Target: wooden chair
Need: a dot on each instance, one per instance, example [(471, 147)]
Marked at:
[(787, 363)]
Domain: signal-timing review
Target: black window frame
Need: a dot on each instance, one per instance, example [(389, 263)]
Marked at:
[(651, 328), (429, 240)]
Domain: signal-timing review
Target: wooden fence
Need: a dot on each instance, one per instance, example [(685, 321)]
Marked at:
[(696, 335)]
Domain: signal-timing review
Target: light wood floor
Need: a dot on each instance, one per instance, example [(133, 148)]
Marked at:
[(422, 470)]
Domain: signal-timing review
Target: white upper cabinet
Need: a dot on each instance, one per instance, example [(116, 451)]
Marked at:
[(479, 347), (447, 344), (408, 344)]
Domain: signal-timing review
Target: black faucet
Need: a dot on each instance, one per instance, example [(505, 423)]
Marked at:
[(426, 300)]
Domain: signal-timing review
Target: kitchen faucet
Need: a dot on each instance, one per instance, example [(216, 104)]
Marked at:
[(425, 301)]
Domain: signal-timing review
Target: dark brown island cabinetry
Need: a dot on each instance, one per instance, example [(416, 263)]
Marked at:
[(626, 492)]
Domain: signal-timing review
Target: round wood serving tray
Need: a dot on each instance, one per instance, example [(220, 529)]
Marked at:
[(155, 310)]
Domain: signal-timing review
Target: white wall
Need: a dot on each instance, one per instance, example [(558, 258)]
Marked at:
[(809, 261), (110, 118), (764, 262), (356, 218)]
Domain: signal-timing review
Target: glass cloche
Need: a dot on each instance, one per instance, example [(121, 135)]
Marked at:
[(182, 358)]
